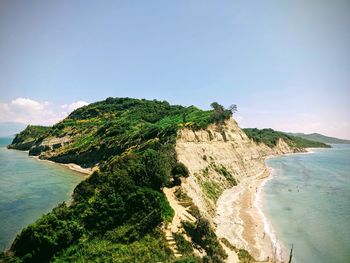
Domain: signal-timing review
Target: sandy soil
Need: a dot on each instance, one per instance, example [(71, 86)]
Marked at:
[(240, 220), (175, 226), (78, 168)]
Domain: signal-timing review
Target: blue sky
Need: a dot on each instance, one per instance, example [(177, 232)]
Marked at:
[(286, 64)]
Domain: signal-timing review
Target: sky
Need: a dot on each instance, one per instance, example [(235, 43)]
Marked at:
[(285, 63)]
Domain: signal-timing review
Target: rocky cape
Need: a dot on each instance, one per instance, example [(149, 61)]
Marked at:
[(221, 162)]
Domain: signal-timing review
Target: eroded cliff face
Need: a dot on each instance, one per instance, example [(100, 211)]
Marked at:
[(219, 158), (49, 147)]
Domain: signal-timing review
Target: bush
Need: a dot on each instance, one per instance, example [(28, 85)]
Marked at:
[(50, 234), (244, 256), (183, 246), (202, 235), (179, 170), (219, 114), (150, 248)]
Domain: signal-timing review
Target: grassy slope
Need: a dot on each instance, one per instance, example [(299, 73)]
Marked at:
[(117, 211), (110, 127), (320, 138), (271, 137)]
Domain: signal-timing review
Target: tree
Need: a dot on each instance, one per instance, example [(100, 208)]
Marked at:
[(220, 114), (233, 108), (217, 107), (184, 115)]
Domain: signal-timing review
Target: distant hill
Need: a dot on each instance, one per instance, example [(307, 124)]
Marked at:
[(319, 138), (270, 137)]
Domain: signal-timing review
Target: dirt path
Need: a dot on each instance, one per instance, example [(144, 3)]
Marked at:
[(181, 214)]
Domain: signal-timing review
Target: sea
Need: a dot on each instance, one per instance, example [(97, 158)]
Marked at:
[(29, 188), (307, 202)]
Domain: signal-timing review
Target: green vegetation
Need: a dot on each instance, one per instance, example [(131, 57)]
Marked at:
[(150, 248), (220, 114), (111, 127), (203, 235), (244, 256), (227, 244), (116, 213), (271, 137), (211, 189), (184, 199), (224, 172), (183, 246), (26, 138), (179, 170)]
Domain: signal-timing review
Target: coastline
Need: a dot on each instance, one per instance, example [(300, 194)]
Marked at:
[(71, 166), (241, 219), (279, 252)]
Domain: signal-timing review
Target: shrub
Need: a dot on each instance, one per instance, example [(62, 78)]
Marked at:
[(203, 235), (184, 246), (50, 234)]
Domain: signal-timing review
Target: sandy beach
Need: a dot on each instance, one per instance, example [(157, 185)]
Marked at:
[(78, 168), (241, 221), (71, 166)]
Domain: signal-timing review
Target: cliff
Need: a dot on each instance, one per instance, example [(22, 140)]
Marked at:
[(218, 158)]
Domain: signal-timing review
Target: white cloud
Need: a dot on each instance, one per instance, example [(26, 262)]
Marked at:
[(28, 104), (28, 111), (74, 105)]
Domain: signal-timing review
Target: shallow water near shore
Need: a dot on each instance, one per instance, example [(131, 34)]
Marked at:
[(308, 203), (28, 189)]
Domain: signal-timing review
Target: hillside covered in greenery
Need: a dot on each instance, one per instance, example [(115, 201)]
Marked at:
[(270, 137), (117, 213), (92, 134), (27, 138)]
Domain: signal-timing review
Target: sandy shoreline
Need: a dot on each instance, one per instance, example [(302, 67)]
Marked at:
[(240, 218), (71, 166)]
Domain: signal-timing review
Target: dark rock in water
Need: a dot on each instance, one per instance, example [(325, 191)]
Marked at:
[(288, 208)]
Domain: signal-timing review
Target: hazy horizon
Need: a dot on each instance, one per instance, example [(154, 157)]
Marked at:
[(285, 64)]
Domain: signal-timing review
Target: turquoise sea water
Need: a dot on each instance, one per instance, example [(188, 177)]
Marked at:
[(308, 204), (28, 189)]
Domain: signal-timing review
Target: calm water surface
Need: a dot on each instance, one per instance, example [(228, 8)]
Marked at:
[(28, 189), (308, 204)]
